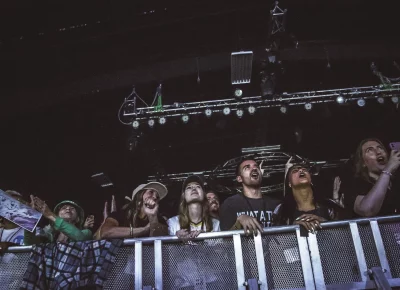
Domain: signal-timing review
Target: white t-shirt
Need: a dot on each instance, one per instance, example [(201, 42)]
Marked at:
[(15, 236), (174, 226)]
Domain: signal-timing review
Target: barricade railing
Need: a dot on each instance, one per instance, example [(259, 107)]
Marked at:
[(351, 254)]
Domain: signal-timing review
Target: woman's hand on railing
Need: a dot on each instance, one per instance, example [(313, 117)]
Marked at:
[(311, 222)]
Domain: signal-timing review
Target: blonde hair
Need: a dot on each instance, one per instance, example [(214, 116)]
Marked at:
[(184, 220)]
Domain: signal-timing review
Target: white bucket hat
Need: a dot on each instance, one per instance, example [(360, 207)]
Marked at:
[(160, 188)]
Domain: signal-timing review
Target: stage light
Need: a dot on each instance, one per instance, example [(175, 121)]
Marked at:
[(395, 100), (208, 113), (151, 123), (135, 124), (185, 118), (226, 111), (238, 93), (381, 100), (283, 109), (361, 102), (251, 110), (340, 99), (162, 120), (239, 113), (308, 106)]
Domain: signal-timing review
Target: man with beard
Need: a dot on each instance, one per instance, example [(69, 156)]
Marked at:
[(193, 217), (213, 204), (375, 189), (249, 210)]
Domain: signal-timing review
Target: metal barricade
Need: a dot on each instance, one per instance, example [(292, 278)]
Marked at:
[(343, 255)]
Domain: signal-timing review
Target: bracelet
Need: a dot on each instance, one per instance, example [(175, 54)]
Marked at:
[(387, 172)]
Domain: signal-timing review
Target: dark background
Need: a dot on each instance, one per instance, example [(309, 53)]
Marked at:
[(65, 69)]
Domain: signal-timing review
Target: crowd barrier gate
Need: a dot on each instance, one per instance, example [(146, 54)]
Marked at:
[(351, 254)]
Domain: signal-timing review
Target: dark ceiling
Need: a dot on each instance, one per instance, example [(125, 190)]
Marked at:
[(65, 69)]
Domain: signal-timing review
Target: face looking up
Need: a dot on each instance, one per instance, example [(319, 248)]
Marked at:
[(374, 156), (299, 176), (249, 173), (68, 212), (194, 193)]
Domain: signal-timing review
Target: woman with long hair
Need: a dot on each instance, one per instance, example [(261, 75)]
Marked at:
[(193, 217), (375, 189), (302, 204), (140, 217)]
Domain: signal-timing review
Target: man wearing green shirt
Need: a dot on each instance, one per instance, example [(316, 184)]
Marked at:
[(66, 223)]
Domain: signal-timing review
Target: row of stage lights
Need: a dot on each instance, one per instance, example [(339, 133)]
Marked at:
[(186, 117), (341, 100)]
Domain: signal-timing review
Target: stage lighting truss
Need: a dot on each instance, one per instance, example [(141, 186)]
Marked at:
[(251, 104), (272, 161), (277, 20)]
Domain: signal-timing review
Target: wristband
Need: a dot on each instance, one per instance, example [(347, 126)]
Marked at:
[(386, 172)]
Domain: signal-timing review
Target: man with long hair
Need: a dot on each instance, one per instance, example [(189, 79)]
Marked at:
[(140, 217), (249, 210), (375, 189), (193, 217)]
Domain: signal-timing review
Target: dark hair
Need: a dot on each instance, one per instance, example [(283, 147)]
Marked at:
[(132, 209), (240, 163), (360, 170), (289, 203)]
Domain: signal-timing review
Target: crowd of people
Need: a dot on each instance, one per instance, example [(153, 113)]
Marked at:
[(374, 191)]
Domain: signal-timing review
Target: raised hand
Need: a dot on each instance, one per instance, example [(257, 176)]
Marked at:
[(394, 162), (106, 213), (150, 208), (89, 222), (42, 207)]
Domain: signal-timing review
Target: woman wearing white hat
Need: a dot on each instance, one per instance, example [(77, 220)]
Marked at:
[(140, 217)]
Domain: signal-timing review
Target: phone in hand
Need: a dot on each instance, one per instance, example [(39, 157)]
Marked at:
[(395, 146)]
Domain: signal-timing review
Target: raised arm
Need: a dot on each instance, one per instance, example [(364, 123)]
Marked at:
[(370, 204)]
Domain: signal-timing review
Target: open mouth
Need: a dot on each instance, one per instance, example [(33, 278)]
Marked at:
[(302, 175), (254, 175), (381, 160)]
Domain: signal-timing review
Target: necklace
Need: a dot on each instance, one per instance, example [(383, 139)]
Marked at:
[(252, 210)]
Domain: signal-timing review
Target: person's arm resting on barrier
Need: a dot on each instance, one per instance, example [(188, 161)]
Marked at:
[(71, 231), (112, 230)]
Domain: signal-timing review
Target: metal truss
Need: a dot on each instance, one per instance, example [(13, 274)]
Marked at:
[(271, 162), (251, 104), (277, 21)]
